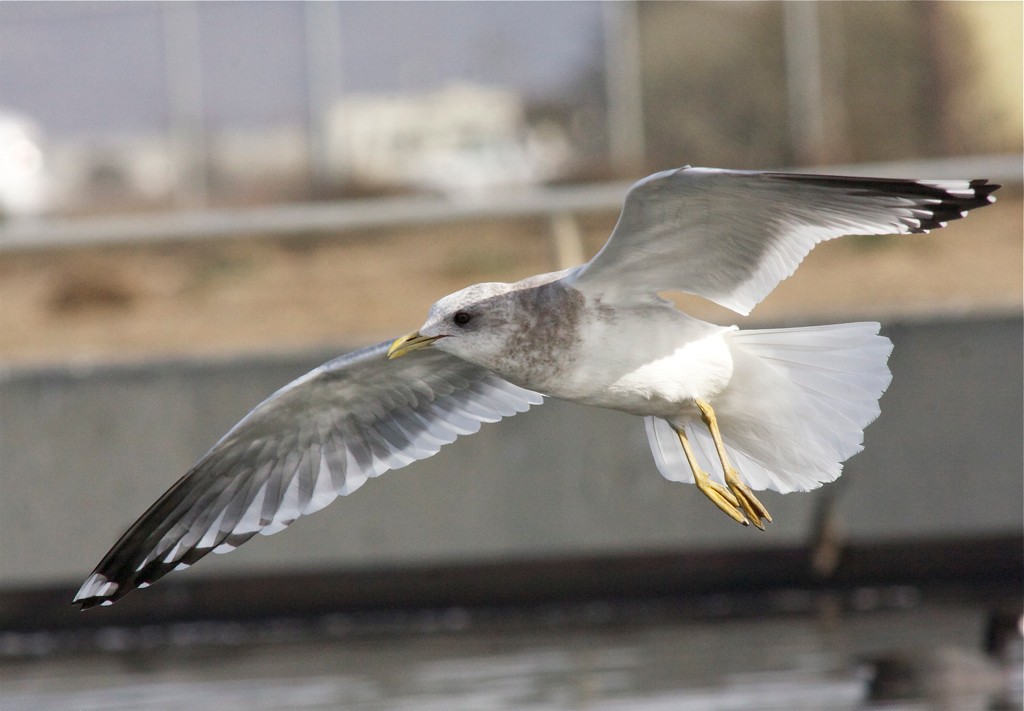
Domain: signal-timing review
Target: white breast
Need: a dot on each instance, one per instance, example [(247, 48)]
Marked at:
[(650, 360)]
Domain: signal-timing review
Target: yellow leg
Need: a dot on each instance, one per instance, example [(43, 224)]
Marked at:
[(753, 508), (719, 495)]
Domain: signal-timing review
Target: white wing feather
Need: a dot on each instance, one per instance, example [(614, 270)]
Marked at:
[(732, 236), (320, 437)]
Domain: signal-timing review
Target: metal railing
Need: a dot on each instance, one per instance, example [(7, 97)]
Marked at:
[(556, 203)]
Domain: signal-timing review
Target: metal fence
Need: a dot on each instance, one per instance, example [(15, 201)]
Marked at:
[(555, 203)]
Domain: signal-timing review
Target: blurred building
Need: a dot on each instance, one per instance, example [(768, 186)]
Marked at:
[(152, 104), (460, 140), (25, 188)]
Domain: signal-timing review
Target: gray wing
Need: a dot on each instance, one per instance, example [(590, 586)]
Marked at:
[(320, 437), (732, 236)]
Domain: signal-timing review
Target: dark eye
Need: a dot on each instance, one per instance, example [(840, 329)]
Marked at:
[(461, 318)]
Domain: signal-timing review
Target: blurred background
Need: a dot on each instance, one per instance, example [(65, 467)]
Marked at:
[(201, 201)]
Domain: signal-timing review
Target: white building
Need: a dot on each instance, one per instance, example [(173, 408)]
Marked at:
[(24, 181), (460, 140)]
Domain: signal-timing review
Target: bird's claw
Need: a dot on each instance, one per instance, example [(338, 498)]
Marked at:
[(723, 498), (754, 510), (734, 498)]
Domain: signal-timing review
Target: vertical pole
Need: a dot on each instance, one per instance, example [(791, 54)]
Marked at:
[(323, 85), (185, 99), (624, 86), (568, 240), (803, 81)]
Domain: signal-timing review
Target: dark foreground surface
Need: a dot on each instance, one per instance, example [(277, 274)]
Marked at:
[(868, 647)]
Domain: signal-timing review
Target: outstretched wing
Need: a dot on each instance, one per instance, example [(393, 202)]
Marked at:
[(320, 437), (731, 236)]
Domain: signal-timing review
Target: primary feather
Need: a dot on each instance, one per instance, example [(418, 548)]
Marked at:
[(320, 437), (731, 236)]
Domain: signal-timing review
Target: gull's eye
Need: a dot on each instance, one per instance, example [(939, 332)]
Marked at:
[(461, 318)]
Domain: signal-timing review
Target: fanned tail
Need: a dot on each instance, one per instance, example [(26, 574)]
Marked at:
[(793, 412)]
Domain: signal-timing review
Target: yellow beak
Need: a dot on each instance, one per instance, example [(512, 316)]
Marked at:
[(408, 343)]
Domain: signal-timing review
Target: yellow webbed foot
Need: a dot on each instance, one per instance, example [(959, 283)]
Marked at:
[(720, 495), (754, 509)]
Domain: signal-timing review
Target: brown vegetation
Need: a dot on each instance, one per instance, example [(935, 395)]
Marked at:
[(336, 292)]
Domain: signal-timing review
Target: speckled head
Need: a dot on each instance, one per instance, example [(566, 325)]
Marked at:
[(474, 323), (522, 331)]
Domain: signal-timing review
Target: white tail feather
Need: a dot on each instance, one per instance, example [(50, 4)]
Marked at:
[(793, 412)]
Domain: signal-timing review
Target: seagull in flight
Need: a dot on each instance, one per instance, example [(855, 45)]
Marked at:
[(731, 411)]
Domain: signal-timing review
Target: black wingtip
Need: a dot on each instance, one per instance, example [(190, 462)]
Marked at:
[(98, 590), (955, 204), (945, 200), (984, 189)]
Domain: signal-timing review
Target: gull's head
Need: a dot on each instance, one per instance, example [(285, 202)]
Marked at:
[(473, 324)]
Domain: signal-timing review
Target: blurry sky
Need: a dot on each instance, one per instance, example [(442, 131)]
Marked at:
[(705, 82), (87, 67)]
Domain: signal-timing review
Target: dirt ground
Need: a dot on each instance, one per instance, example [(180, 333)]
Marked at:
[(339, 291)]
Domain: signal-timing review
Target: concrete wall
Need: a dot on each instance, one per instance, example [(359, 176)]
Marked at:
[(84, 451)]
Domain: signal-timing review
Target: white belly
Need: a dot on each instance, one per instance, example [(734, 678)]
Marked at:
[(649, 366)]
